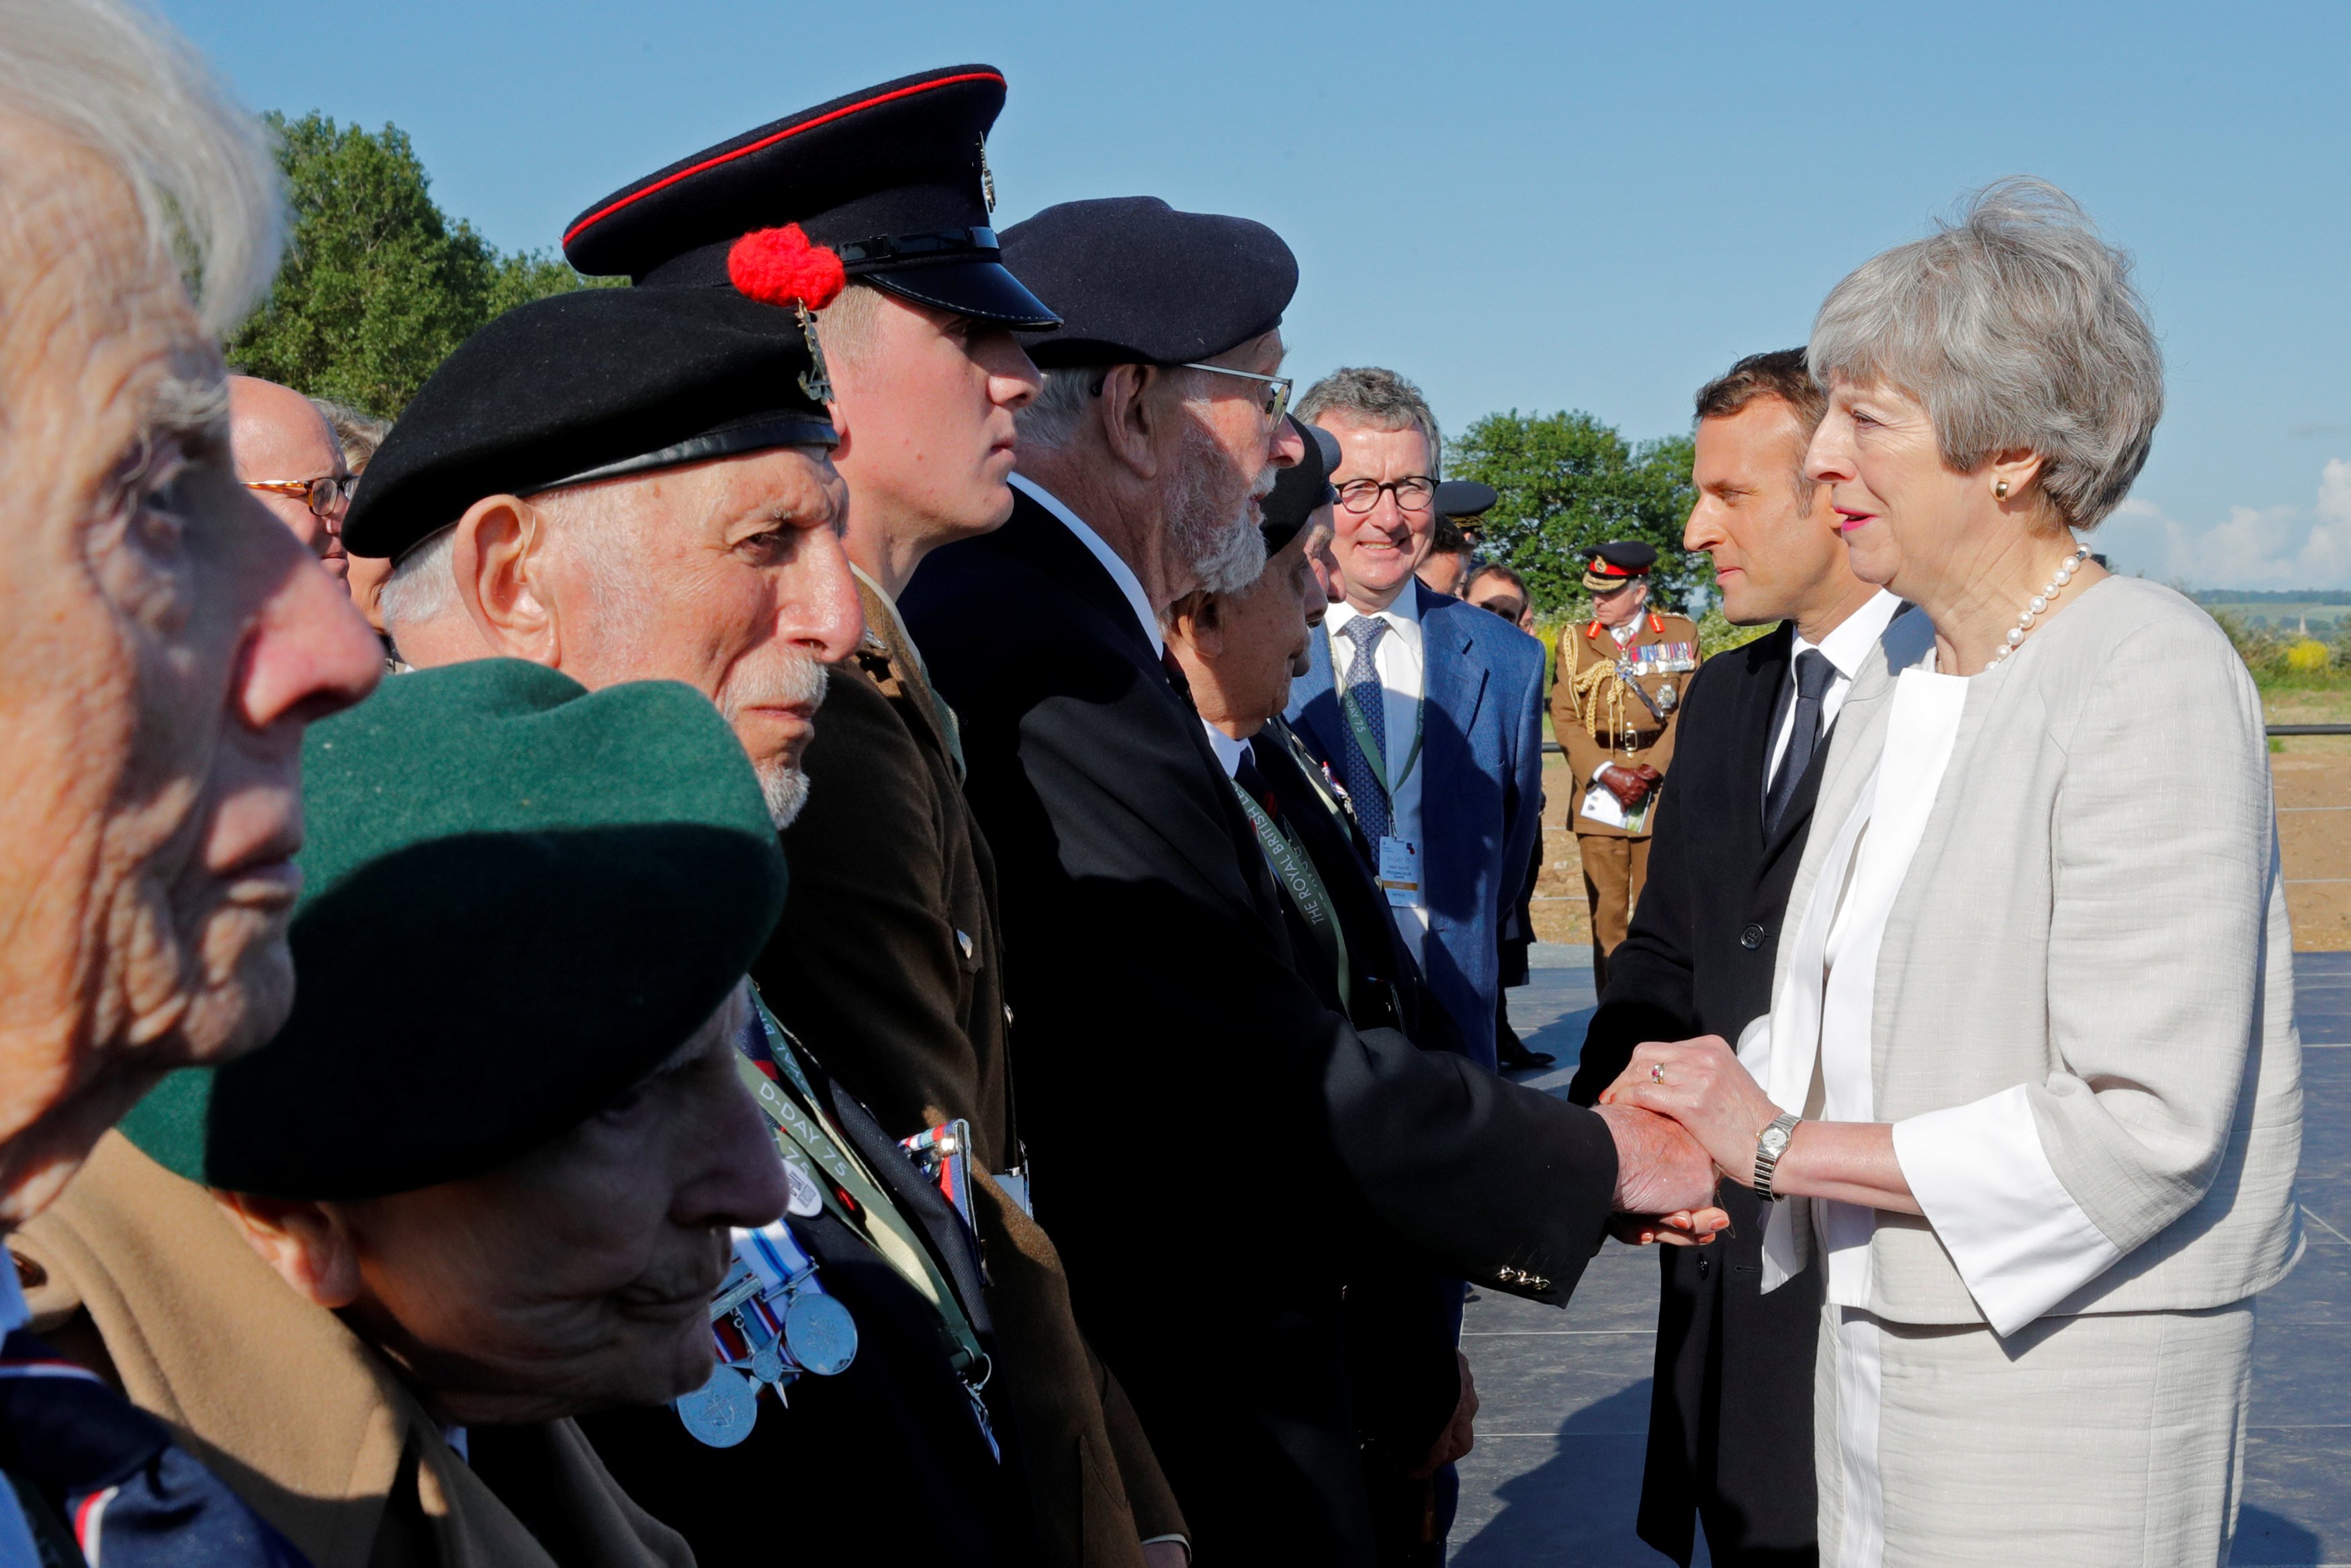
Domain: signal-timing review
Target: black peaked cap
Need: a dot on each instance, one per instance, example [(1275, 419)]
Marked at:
[(894, 178), (1137, 282), (581, 386), (1465, 498), (519, 897), (1301, 488), (1621, 557)]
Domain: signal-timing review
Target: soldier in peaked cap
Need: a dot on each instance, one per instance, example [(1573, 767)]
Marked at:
[(1615, 693), (625, 483), (1154, 966), (890, 960)]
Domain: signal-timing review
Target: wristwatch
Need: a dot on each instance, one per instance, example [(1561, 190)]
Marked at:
[(1769, 1146)]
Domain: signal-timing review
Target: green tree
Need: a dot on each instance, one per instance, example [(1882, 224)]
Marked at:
[(1568, 480), (379, 284)]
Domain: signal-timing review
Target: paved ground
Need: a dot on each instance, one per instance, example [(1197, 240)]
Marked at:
[(1557, 1468)]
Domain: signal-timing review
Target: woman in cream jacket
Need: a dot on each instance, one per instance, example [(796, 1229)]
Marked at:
[(2030, 1085)]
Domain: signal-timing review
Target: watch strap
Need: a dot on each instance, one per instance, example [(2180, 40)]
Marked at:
[(1768, 1151)]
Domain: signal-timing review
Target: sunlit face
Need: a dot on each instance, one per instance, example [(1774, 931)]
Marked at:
[(278, 435), (1446, 572), (1620, 606), (1378, 549), (1223, 453), (924, 401), (163, 641), (1260, 643), (727, 576), (1771, 531), (576, 1277), (1908, 520)]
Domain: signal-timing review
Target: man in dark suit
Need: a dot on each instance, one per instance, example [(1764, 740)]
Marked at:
[(1435, 702), (889, 960), (1203, 1130), (1730, 1420)]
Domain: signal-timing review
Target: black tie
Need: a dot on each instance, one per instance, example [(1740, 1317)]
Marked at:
[(1248, 777), (1813, 674)]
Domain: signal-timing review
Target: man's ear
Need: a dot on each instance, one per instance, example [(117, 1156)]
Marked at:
[(1130, 416), (308, 1243), (495, 554), (1197, 620)]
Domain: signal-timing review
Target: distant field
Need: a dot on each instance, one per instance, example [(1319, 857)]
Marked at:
[(2321, 614)]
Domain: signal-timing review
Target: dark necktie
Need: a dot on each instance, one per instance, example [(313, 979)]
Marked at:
[(1365, 786), (1814, 675), (1248, 777)]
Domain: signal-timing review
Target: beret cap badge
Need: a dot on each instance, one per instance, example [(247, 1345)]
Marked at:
[(780, 266)]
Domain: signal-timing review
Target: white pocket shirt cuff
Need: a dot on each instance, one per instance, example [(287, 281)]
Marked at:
[(2021, 1241)]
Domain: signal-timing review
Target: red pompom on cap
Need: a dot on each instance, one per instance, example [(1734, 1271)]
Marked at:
[(780, 266)]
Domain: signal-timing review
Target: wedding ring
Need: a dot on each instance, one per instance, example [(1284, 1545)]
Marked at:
[(1656, 1072)]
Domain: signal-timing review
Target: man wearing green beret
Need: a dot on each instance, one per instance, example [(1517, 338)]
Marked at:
[(634, 483), (483, 1179)]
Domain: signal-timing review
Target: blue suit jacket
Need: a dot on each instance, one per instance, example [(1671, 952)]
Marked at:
[(1481, 792)]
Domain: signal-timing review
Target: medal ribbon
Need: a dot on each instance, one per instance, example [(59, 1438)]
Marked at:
[(883, 1229), (1299, 879), (1363, 732)]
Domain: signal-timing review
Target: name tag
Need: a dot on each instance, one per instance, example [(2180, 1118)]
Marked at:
[(1400, 872)]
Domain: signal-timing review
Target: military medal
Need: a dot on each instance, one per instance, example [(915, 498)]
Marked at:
[(819, 1333), (721, 1412)]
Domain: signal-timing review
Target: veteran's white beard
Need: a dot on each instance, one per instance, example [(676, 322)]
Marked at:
[(782, 784), (1218, 541)]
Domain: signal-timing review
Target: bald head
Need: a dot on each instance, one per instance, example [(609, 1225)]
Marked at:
[(279, 434)]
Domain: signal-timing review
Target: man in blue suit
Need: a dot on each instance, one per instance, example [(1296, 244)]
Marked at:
[(1433, 720)]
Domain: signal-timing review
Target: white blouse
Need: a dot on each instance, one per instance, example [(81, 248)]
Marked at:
[(1979, 1171)]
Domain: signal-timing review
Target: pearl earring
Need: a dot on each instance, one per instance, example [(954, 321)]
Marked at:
[(1999, 489)]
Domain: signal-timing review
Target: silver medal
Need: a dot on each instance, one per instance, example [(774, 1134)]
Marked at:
[(804, 1199), (820, 1333), (721, 1412), (767, 1362)]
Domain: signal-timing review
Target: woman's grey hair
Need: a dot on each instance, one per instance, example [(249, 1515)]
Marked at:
[(2019, 327), (109, 77), (1367, 395), (358, 432)]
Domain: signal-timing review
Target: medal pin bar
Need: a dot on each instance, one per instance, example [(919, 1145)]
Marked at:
[(771, 1322)]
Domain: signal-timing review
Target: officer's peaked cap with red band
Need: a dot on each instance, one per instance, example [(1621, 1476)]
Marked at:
[(1137, 282), (893, 180), (1620, 560)]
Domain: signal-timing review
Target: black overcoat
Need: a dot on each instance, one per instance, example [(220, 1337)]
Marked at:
[(1204, 1131), (1730, 1413)]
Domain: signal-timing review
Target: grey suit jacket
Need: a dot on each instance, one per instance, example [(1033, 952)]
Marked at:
[(2095, 911)]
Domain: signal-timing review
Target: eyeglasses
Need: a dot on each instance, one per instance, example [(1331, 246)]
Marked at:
[(1277, 387), (324, 497), (1412, 493)]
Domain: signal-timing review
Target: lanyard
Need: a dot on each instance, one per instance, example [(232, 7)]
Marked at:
[(1305, 884), (883, 1228), (1362, 730)]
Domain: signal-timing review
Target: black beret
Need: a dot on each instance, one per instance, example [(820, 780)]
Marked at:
[(893, 179), (1465, 498), (586, 385), (518, 899), (1137, 282), (1300, 489)]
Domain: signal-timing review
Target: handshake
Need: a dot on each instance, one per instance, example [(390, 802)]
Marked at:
[(1665, 1172)]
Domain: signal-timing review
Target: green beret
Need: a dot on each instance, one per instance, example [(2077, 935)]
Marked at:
[(518, 898)]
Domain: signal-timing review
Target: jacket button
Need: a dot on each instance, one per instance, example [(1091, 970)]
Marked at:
[(1752, 937)]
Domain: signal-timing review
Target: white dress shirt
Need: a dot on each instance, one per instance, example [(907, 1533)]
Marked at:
[(1404, 681), (1846, 645), (1119, 572), (1229, 750)]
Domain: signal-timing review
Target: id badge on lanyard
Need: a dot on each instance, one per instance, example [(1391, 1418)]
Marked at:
[(1400, 873)]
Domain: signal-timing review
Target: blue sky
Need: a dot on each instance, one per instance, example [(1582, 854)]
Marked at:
[(1538, 206)]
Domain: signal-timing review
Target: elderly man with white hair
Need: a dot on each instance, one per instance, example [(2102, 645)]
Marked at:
[(1206, 1130), (162, 643)]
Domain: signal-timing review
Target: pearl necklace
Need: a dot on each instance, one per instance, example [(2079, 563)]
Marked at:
[(2040, 603)]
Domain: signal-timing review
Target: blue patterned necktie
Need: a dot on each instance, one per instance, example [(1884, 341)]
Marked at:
[(1363, 780)]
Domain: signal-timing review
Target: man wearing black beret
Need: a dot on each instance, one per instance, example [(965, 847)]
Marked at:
[(483, 1180), (1203, 1125), (890, 959), (635, 483)]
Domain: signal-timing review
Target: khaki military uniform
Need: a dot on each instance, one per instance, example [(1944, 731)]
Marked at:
[(889, 964), (1598, 715)]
